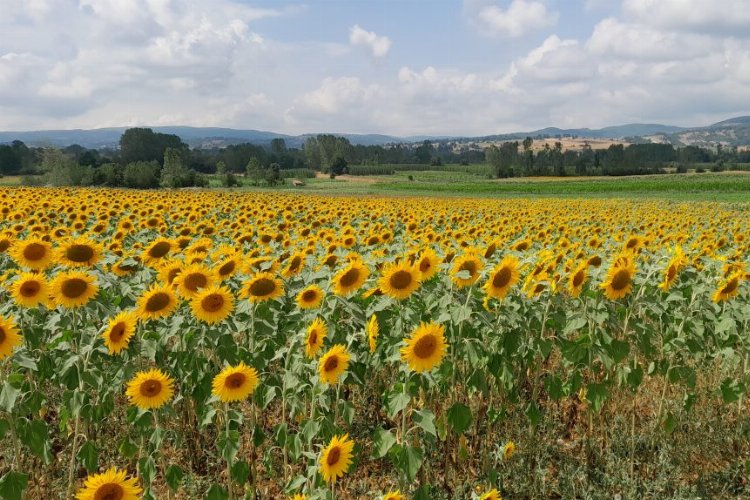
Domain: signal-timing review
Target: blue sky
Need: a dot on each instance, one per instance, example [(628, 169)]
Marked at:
[(409, 67)]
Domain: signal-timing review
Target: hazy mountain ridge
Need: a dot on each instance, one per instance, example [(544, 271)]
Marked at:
[(732, 132)]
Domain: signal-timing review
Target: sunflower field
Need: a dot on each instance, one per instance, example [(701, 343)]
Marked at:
[(220, 345)]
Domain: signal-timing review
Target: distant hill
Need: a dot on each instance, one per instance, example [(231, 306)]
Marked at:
[(731, 132)]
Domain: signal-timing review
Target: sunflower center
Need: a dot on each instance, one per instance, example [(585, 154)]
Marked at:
[(262, 287), (425, 346), (227, 268), (671, 272), (109, 491), (159, 250), (2, 335), (632, 243), (212, 303), (194, 281), (235, 381), (731, 286), (34, 251), (117, 332), (350, 277), (150, 388), (501, 278), (331, 363), (73, 288), (400, 280), (313, 338), (333, 456), (470, 266), (424, 265), (4, 245), (309, 295), (294, 265), (157, 302), (578, 279), (621, 279), (29, 288), (79, 253), (595, 261)]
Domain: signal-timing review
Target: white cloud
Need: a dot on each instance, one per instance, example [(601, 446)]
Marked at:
[(704, 16), (521, 17), (377, 45)]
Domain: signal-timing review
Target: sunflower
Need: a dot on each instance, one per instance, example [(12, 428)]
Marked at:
[(298, 496), (227, 267), (469, 263), (399, 280), (212, 305), (157, 250), (150, 389), (157, 302), (509, 449), (672, 271), (263, 286), (310, 298), (394, 495), (425, 348), (119, 331), (336, 458), (168, 271), (349, 279), (235, 383), (30, 290), (493, 494), (333, 364), (372, 332), (577, 279), (111, 485), (9, 337), (728, 288), (295, 266), (428, 263), (73, 289), (619, 280), (316, 333), (192, 279), (33, 253), (502, 278), (79, 252)]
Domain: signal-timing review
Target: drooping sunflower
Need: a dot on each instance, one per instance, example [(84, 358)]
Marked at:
[(425, 348), (619, 280), (676, 264), (73, 289), (316, 333), (235, 383), (428, 263), (399, 280), (350, 279), (310, 298), (493, 494), (157, 302), (9, 337), (336, 458), (502, 278), (212, 305), (30, 290), (79, 252), (119, 332), (150, 389), (263, 286), (295, 266), (372, 332), (728, 288), (157, 250), (333, 364), (192, 279), (33, 253), (110, 485), (470, 263), (577, 279)]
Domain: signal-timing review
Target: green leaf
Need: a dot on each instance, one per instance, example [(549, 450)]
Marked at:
[(35, 435), (554, 387), (731, 390), (4, 427), (240, 472), (669, 423), (618, 350), (216, 492), (396, 403), (12, 485), (408, 459), (635, 377), (459, 417), (382, 441), (533, 413), (89, 456), (597, 395), (174, 477), (425, 419), (127, 448), (229, 444), (8, 396)]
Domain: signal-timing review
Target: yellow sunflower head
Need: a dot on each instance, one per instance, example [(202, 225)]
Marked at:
[(372, 332), (157, 302), (119, 331), (72, 289), (336, 458), (150, 389), (310, 298), (428, 263), (263, 286), (333, 364), (79, 252), (619, 280), (194, 278), (728, 288), (235, 383), (399, 280), (493, 494), (425, 348), (33, 253), (350, 279), (295, 265), (466, 269), (158, 250), (110, 485), (212, 305), (9, 337), (502, 278), (30, 290), (394, 495), (577, 279), (316, 333)]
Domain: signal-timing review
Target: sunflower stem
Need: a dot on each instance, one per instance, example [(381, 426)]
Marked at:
[(230, 490)]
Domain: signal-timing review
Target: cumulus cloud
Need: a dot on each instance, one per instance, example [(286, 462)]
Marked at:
[(703, 16), (377, 45), (519, 18)]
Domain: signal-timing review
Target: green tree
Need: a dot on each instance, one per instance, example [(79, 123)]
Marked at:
[(528, 155), (142, 174), (278, 145), (254, 171), (423, 152), (143, 144), (173, 173)]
